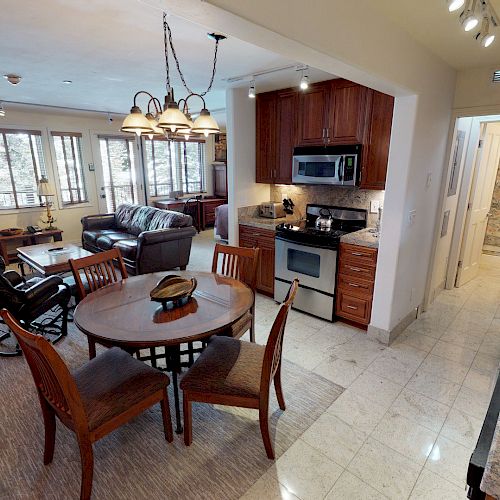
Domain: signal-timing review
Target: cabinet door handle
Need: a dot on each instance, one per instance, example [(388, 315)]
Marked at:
[(358, 254), (354, 285), (351, 307), (357, 269)]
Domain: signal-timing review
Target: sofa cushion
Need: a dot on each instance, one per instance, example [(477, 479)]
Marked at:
[(128, 249), (163, 219), (106, 241), (124, 214), (91, 236), (141, 219)]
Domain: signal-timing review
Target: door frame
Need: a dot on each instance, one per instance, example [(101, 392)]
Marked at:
[(484, 114)]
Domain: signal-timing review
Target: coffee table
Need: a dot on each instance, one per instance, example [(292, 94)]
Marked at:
[(46, 261)]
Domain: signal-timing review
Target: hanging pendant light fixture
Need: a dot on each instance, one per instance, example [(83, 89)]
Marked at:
[(172, 121)]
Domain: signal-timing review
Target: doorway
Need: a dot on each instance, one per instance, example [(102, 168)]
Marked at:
[(466, 209)]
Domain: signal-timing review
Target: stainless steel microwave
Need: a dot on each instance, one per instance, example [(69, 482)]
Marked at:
[(334, 165)]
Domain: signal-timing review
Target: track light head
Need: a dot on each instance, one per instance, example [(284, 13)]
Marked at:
[(251, 90), (454, 5), (487, 39), (304, 81), (2, 110), (468, 20)]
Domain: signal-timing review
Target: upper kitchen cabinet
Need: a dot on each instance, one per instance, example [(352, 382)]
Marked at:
[(276, 122), (347, 113), (266, 137), (377, 140), (313, 115)]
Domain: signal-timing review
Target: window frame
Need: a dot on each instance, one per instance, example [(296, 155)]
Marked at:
[(174, 167), (85, 184), (17, 129)]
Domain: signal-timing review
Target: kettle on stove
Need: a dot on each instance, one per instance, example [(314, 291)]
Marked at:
[(324, 220)]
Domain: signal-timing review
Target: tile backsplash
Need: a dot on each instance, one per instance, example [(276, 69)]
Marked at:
[(328, 195)]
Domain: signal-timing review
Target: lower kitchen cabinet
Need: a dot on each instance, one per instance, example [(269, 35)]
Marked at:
[(355, 281), (254, 237)]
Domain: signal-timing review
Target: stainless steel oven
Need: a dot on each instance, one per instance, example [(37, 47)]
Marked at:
[(314, 267), (337, 165)]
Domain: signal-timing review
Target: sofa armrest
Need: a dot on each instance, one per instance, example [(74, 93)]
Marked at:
[(14, 278), (43, 288), (167, 234), (102, 221)]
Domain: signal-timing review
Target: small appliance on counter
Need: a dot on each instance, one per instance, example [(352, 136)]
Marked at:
[(272, 210), (308, 250)]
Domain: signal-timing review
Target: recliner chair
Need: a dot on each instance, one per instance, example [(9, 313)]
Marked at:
[(27, 300)]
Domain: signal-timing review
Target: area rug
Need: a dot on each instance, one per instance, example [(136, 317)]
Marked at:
[(227, 455)]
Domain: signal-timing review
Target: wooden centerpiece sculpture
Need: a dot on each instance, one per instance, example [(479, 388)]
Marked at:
[(173, 291)]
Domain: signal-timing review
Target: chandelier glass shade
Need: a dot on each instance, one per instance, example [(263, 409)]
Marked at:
[(171, 121)]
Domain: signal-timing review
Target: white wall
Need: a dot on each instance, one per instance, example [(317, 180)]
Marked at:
[(242, 189), (356, 41), (475, 92)]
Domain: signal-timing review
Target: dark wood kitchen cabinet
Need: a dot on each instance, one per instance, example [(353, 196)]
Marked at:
[(313, 115), (276, 136), (335, 112), (266, 137), (377, 140), (254, 237)]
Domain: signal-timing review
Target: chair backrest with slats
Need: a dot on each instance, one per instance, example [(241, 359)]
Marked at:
[(50, 374), (98, 270), (272, 355), (236, 262)]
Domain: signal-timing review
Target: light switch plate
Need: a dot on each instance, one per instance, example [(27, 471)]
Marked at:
[(374, 206), (411, 217)]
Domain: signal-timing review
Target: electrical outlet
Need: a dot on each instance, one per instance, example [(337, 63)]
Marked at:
[(411, 217), (374, 206)]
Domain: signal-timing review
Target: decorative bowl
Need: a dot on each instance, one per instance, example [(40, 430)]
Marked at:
[(11, 231), (174, 290)]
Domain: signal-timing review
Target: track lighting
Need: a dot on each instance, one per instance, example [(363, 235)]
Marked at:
[(454, 5), (304, 81), (484, 37), (251, 90)]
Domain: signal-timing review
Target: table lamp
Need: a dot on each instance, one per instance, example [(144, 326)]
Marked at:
[(47, 190)]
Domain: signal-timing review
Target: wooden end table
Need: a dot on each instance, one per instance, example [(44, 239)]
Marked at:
[(46, 261)]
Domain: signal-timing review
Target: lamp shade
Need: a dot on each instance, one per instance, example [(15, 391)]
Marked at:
[(205, 124), (136, 123), (46, 188), (157, 131), (173, 118)]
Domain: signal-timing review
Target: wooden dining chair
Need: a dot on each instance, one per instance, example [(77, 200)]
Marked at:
[(241, 264), (95, 399), (233, 372), (94, 272)]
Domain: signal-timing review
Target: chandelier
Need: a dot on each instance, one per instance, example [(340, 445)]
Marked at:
[(175, 119)]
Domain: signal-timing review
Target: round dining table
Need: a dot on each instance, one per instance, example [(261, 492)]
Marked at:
[(122, 314)]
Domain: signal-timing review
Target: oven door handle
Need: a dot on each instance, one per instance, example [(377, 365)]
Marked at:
[(295, 242), (340, 171)]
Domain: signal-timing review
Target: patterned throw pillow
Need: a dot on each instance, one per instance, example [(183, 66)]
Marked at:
[(166, 218), (124, 214)]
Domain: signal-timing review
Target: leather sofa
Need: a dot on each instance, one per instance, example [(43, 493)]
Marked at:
[(148, 238)]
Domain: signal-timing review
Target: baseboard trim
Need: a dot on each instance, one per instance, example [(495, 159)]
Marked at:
[(387, 337)]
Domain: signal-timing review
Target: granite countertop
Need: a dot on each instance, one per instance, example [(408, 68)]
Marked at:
[(262, 222), (364, 238), (490, 483)]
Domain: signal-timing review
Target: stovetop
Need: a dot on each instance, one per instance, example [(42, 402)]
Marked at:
[(344, 220)]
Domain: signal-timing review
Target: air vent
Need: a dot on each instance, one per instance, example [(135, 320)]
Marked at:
[(496, 76)]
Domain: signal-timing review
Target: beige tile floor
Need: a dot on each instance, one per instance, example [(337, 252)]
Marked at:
[(411, 413)]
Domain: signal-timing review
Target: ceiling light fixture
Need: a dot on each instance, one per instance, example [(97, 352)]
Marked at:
[(304, 81), (454, 5), (251, 90), (67, 82), (172, 121), (485, 37), (13, 79), (2, 110)]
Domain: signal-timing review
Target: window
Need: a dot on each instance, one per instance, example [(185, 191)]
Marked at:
[(175, 166), (118, 167), (69, 167), (21, 167)]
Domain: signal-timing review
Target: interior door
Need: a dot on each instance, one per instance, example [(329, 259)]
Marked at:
[(481, 193), (120, 177)]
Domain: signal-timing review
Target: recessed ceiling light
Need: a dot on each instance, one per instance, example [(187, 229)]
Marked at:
[(12, 79), (67, 82)]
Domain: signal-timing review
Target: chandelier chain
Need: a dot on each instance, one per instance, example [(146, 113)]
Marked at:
[(166, 28)]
